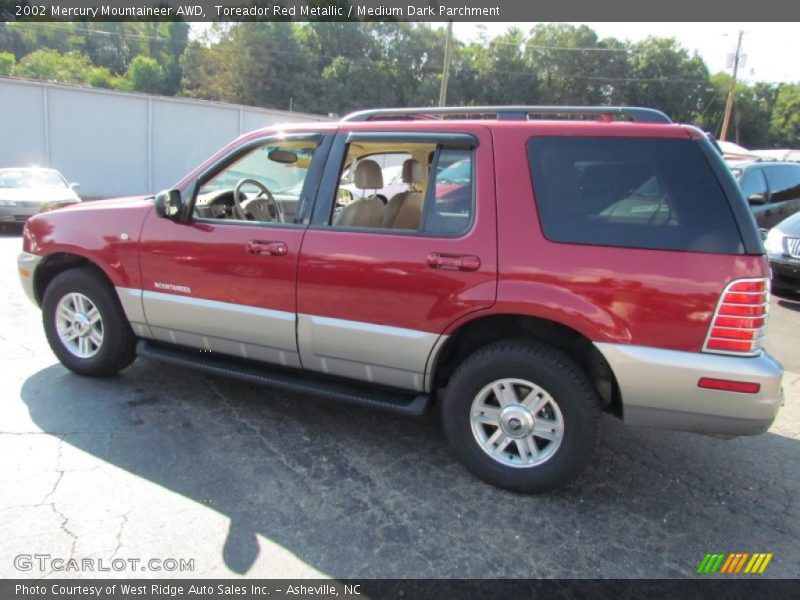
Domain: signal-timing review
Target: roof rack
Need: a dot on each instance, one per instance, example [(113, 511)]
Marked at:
[(512, 113)]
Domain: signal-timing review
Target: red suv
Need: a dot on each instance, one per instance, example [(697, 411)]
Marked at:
[(534, 272)]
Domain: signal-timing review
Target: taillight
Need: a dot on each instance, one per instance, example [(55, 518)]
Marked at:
[(739, 323)]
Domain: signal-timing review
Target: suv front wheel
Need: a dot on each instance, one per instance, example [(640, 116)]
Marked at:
[(522, 416), (85, 325)]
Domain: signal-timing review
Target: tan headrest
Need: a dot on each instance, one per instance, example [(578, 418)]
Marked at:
[(368, 175), (412, 171)]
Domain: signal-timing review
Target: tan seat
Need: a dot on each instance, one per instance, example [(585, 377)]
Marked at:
[(364, 212), (404, 210)]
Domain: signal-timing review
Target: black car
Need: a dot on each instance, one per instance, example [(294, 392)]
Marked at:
[(772, 189), (783, 248)]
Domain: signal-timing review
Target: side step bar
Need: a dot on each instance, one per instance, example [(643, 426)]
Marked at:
[(392, 400)]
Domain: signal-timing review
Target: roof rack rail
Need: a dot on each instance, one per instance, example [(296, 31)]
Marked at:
[(514, 113)]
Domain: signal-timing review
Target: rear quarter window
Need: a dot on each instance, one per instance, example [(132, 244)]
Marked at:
[(631, 192)]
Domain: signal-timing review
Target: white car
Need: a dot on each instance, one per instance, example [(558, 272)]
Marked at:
[(27, 191)]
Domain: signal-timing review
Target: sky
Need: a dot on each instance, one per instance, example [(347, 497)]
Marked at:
[(771, 48)]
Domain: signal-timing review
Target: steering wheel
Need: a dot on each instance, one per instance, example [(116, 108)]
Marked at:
[(260, 202)]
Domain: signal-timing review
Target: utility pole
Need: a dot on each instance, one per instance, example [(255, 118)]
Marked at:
[(732, 90), (446, 69)]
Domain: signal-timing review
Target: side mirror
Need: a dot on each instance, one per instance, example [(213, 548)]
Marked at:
[(74, 186), (757, 199), (169, 204)]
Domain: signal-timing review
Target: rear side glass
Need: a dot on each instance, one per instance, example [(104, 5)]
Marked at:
[(631, 192), (784, 182), (754, 183), (451, 209)]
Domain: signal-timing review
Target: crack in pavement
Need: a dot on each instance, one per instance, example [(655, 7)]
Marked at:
[(60, 472), (122, 525)]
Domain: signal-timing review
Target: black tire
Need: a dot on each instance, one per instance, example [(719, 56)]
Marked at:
[(555, 373), (118, 347)]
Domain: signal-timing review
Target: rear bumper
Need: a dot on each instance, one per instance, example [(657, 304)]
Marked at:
[(659, 389)]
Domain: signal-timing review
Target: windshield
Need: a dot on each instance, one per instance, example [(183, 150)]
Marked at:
[(27, 178), (282, 169)]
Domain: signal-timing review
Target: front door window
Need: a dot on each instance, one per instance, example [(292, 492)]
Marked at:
[(265, 185)]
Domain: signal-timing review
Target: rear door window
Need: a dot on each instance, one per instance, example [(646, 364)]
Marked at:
[(784, 182), (754, 183), (631, 192)]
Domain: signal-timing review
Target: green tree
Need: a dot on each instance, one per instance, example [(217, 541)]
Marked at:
[(324, 41), (354, 85), (101, 77), (111, 45), (664, 75), (502, 74), (50, 65), (785, 122), (24, 37), (177, 33), (411, 52), (568, 61), (752, 110), (145, 75), (7, 62), (264, 65), (201, 72)]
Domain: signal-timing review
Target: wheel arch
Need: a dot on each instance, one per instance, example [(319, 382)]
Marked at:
[(56, 263), (482, 330)]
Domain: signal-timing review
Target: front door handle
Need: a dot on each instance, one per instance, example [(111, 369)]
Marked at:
[(271, 248), (453, 262)]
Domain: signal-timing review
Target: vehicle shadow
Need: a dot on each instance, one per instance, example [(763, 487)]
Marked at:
[(357, 493)]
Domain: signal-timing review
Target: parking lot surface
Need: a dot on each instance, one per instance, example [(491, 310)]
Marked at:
[(166, 463)]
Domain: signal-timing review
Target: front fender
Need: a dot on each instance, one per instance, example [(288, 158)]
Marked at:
[(105, 233)]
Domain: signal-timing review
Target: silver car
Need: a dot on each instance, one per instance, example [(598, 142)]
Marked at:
[(27, 191)]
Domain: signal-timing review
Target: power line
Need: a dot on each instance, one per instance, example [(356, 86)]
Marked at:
[(494, 41), (266, 52)]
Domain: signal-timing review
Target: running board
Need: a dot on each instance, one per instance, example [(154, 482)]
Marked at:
[(388, 399)]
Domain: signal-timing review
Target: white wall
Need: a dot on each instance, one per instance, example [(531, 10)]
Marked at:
[(116, 143)]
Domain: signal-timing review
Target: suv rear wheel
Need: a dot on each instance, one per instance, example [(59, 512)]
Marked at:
[(522, 416), (85, 325)]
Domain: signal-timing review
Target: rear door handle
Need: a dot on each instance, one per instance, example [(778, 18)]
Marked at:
[(271, 248), (453, 262)]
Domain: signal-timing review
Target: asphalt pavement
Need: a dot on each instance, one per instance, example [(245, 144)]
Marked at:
[(233, 479)]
